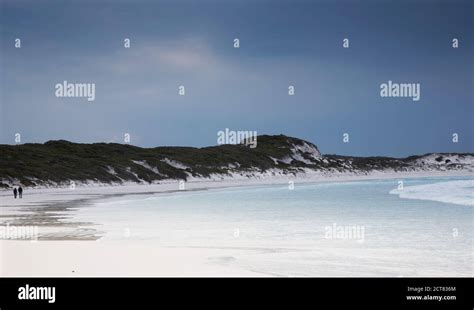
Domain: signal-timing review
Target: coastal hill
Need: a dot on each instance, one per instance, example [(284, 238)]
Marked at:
[(58, 163)]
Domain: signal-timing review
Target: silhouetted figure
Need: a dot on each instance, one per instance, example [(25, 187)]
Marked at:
[(15, 192), (20, 192)]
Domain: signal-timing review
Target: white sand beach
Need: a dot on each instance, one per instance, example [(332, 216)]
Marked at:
[(41, 194), (66, 249), (96, 259)]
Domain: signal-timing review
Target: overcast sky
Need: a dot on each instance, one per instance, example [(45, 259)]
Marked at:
[(282, 43)]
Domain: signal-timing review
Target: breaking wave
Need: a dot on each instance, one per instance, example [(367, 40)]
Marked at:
[(456, 192)]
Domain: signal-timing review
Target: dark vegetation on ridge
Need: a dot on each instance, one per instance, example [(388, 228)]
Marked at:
[(59, 162)]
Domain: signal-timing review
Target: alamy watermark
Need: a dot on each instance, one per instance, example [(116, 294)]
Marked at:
[(401, 90), (227, 136), (8, 232), (344, 232), (75, 90), (28, 292)]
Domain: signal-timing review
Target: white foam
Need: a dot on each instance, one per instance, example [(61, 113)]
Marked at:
[(457, 192)]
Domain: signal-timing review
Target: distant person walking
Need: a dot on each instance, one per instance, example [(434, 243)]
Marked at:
[(20, 192), (15, 192)]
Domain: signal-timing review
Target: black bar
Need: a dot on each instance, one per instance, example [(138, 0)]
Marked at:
[(293, 293)]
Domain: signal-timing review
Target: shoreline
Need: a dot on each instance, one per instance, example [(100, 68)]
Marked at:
[(52, 209), (59, 254), (169, 186)]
